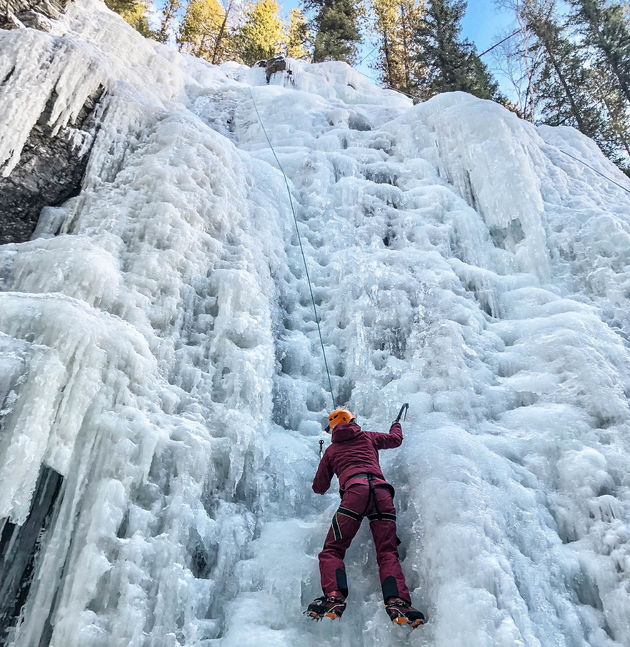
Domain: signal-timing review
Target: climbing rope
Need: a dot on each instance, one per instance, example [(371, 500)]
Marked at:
[(297, 230), (577, 159), (500, 42)]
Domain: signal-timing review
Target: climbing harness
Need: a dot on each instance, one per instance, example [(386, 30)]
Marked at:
[(372, 497), (297, 230), (377, 515)]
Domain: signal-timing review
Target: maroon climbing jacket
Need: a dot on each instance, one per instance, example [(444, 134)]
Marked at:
[(354, 451)]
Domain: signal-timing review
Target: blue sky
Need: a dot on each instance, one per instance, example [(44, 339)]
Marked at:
[(483, 24)]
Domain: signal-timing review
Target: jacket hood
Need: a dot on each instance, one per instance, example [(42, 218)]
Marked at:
[(345, 431)]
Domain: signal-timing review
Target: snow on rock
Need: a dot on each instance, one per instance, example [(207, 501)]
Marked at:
[(159, 354), (31, 13), (67, 72)]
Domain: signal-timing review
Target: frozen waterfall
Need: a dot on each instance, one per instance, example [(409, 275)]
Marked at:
[(162, 391)]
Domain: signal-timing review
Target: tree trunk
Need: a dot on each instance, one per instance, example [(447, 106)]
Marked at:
[(614, 64), (540, 28), (169, 13), (405, 44), (388, 61), (574, 109), (220, 35), (592, 16)]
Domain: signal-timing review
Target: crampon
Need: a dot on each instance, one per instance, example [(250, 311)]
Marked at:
[(326, 607), (402, 613)]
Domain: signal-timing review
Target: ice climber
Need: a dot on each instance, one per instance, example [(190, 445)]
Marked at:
[(353, 457)]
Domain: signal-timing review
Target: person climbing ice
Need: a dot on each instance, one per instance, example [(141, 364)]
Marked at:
[(353, 457)]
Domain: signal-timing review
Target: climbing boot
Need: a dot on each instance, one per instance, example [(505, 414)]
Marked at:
[(330, 606), (401, 612)]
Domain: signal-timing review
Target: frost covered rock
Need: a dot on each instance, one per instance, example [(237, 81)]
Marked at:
[(161, 384), (50, 170), (49, 121), (273, 65), (31, 13)]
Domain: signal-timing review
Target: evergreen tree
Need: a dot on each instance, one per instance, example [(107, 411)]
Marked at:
[(336, 30), (605, 27), (134, 12), (391, 59), (224, 47), (617, 126), (395, 22), (201, 32), (297, 36), (411, 17), (169, 14), (262, 34), (568, 79), (450, 63), (563, 85)]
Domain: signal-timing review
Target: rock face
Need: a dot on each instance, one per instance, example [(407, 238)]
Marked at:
[(273, 65), (19, 546), (52, 163), (30, 13), (50, 171), (277, 64)]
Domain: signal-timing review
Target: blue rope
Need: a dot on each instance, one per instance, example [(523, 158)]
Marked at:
[(297, 230)]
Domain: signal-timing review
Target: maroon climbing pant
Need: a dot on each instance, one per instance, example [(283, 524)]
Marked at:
[(378, 507)]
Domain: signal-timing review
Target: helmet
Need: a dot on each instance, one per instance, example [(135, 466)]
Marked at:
[(339, 416)]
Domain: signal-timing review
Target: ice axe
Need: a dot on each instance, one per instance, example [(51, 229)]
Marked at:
[(403, 409), (321, 449)]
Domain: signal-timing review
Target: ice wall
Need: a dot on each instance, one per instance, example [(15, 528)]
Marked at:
[(162, 388)]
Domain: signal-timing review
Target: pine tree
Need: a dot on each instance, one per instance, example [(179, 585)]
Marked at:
[(297, 36), (224, 47), (617, 127), (336, 30), (395, 22), (169, 14), (411, 17), (563, 84), (201, 32), (567, 78), (451, 63), (605, 27), (134, 12), (262, 34), (390, 63)]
